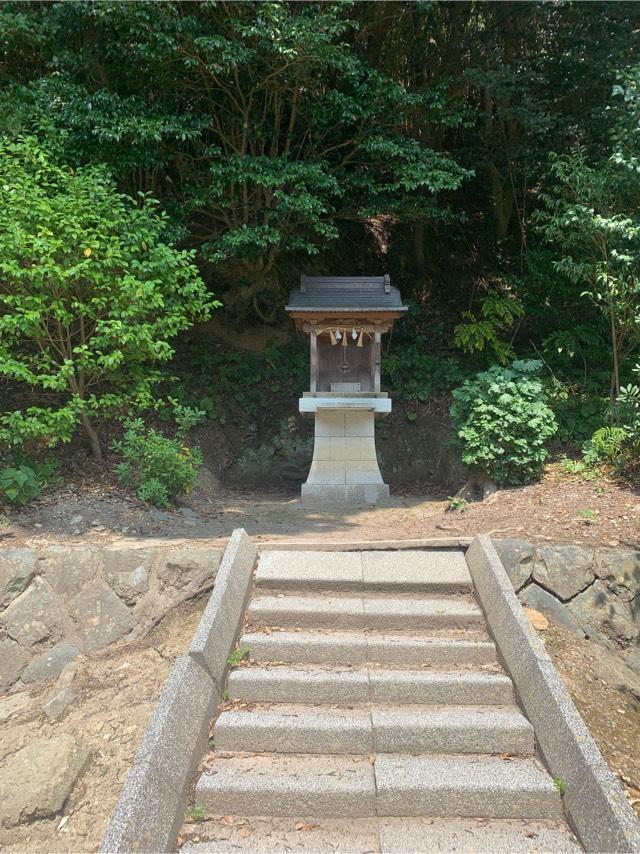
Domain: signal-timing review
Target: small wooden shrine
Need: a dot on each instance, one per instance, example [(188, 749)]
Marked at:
[(345, 318)]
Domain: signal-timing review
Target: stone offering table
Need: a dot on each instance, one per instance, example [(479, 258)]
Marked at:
[(345, 319)]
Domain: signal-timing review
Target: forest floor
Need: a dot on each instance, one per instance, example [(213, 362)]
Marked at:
[(560, 508)]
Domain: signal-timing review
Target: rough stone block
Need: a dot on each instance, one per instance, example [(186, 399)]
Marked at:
[(17, 568), (36, 781), (535, 597), (127, 572), (564, 570), (51, 663), (13, 660), (620, 570), (600, 611), (68, 568), (151, 807), (34, 619), (100, 615), (517, 559), (217, 631)]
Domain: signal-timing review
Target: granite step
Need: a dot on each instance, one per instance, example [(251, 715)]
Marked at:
[(465, 785), (342, 786), (380, 613), (443, 571), (354, 648), (260, 834), (388, 729), (308, 685), (289, 785)]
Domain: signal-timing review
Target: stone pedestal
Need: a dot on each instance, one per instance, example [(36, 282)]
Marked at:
[(345, 467)]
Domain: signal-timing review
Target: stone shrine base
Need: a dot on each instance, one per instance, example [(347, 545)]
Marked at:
[(345, 468)]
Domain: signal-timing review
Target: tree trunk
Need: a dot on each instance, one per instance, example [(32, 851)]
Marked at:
[(92, 437)]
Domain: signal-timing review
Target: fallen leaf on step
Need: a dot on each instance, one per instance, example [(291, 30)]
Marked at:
[(245, 833), (529, 834), (303, 825), (228, 819), (372, 759), (507, 756)]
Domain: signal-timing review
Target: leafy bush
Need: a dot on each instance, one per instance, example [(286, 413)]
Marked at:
[(502, 422), (91, 295), (19, 484), (159, 467)]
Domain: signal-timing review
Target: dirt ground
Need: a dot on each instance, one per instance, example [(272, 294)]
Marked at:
[(559, 509), (117, 691), (612, 716)]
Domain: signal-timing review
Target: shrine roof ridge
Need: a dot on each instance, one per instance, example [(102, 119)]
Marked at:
[(345, 293)]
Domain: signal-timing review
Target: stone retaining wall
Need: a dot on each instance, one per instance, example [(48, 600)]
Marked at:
[(593, 592), (59, 601)]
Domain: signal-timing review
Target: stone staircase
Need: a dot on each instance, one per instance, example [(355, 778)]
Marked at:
[(372, 715)]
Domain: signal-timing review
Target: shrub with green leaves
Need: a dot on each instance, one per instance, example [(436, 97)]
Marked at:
[(91, 295), (155, 465), (19, 484), (502, 422)]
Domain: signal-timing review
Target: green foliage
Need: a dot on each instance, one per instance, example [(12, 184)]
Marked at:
[(455, 503), (91, 294), (498, 314), (260, 122), (19, 484), (239, 655), (502, 422), (605, 446), (590, 216), (196, 814), (157, 466)]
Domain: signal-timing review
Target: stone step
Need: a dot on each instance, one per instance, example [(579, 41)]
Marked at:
[(381, 613), (256, 835), (318, 786), (391, 729), (451, 729), (334, 648), (344, 787), (411, 570), (308, 685), (298, 685), (465, 785)]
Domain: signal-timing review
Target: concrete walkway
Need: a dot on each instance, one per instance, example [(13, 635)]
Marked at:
[(372, 715)]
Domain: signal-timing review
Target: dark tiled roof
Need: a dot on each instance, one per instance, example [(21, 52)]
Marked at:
[(345, 293)]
